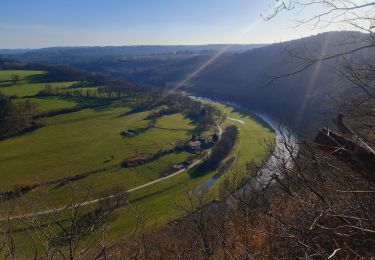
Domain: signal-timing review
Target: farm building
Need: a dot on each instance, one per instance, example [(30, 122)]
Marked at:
[(194, 146), (128, 132)]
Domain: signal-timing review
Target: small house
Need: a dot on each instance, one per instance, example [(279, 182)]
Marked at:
[(128, 132), (194, 146)]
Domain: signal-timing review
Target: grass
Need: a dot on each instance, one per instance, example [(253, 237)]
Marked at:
[(30, 89), (253, 135), (54, 103), (174, 122), (110, 180), (80, 142), (26, 86), (90, 140), (45, 104), (25, 76), (157, 204), (84, 141)]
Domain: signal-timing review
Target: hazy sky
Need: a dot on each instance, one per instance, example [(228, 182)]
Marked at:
[(43, 23)]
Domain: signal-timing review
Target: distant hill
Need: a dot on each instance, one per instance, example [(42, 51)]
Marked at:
[(147, 64), (305, 100), (13, 51), (69, 54), (63, 73)]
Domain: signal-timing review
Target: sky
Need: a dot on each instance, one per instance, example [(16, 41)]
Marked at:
[(46, 23)]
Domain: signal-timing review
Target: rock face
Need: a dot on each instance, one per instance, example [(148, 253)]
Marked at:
[(347, 150)]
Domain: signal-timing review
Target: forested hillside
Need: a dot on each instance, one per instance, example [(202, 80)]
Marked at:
[(308, 98)]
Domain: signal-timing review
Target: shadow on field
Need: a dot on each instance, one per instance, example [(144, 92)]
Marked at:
[(173, 129), (198, 172), (126, 113), (6, 85), (154, 193), (39, 78)]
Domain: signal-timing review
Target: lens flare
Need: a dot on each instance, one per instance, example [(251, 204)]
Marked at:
[(215, 57), (311, 84), (212, 59)]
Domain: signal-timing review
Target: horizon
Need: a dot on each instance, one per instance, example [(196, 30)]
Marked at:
[(34, 25), (182, 44), (137, 45)]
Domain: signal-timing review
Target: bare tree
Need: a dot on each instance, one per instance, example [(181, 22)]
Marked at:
[(78, 231), (15, 78), (359, 14), (356, 15), (7, 240)]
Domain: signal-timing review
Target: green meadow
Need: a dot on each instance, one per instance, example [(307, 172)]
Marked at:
[(30, 89), (89, 142), (45, 104), (80, 142), (26, 76), (158, 204)]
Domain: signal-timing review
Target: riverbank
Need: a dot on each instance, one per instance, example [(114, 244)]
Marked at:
[(284, 139)]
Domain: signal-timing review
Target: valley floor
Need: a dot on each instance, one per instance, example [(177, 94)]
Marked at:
[(89, 142)]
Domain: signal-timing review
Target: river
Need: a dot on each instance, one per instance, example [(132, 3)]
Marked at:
[(283, 139)]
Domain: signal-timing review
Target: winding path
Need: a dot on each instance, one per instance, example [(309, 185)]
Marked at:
[(263, 174), (89, 202), (237, 120)]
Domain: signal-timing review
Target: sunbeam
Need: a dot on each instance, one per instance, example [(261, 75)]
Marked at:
[(311, 83), (215, 57)]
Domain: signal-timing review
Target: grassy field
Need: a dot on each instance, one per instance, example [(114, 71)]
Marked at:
[(55, 103), (251, 145), (25, 76), (27, 85), (45, 104), (30, 89), (113, 179), (80, 142), (89, 141), (253, 135)]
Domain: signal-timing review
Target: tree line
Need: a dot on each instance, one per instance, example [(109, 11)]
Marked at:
[(61, 73), (16, 117), (206, 116), (220, 151), (91, 92)]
